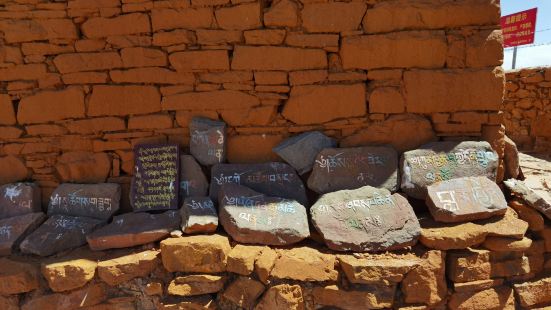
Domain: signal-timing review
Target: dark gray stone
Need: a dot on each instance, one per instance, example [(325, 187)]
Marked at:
[(442, 161), (208, 141), (465, 199), (365, 220), (131, 229), (300, 151), (59, 233), (15, 229), (18, 199), (530, 197), (251, 217), (99, 201), (192, 179), (272, 179), (198, 215), (350, 168)]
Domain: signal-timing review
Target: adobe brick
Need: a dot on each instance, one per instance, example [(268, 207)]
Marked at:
[(85, 78), (92, 4), (23, 72), (210, 100), (282, 13), (200, 60), (239, 17), (152, 75), (333, 16), (325, 41), (7, 113), (77, 62), (277, 58), (264, 36), (96, 125), (174, 37), (110, 100), (143, 57), (101, 27), (190, 18), (37, 29), (157, 121), (45, 49), (216, 37), (47, 106)]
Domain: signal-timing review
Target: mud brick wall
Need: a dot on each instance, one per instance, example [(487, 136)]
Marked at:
[(527, 108), (83, 81)]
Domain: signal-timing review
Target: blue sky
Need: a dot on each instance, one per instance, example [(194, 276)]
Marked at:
[(537, 55)]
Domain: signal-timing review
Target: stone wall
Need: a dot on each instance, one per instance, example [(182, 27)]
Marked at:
[(83, 81), (527, 108)]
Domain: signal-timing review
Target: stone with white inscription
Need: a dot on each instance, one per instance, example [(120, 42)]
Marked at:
[(251, 217), (465, 199), (442, 161), (300, 151), (542, 202), (198, 215), (193, 181), (18, 199), (272, 179), (350, 168), (59, 233), (131, 229), (14, 229), (367, 219), (99, 201), (208, 140)]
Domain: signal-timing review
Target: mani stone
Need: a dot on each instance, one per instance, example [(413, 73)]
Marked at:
[(367, 219), (18, 199), (300, 151), (198, 215), (442, 161), (465, 199), (251, 217), (208, 141), (272, 179), (351, 168), (59, 233), (15, 229), (131, 229), (192, 179), (530, 197), (99, 201)]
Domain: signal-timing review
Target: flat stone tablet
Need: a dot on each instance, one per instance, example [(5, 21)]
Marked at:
[(99, 201), (251, 217), (59, 233), (155, 185), (14, 229), (198, 215), (18, 199), (192, 179), (531, 197), (300, 151), (465, 199), (131, 229), (350, 168), (272, 179), (442, 161), (208, 140), (365, 220)]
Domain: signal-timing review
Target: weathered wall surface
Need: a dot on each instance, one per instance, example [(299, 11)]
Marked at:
[(527, 108)]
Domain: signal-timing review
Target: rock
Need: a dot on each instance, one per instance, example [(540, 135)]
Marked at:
[(13, 169), (208, 141), (131, 229), (194, 285), (351, 168), (99, 201), (373, 297), (468, 265), (154, 288), (300, 151), (205, 254), (272, 179), (66, 275), (17, 277), (14, 229), (465, 199), (198, 215), (304, 264), (265, 263), (511, 158), (518, 267), (83, 167), (283, 296), (125, 268), (155, 184), (426, 284), (476, 286), (192, 179), (378, 269), (18, 199), (90, 295), (9, 303), (59, 233), (493, 298), (242, 293), (199, 302), (365, 219), (535, 220), (530, 197), (535, 292), (251, 217), (499, 244), (442, 161), (241, 259), (509, 225)]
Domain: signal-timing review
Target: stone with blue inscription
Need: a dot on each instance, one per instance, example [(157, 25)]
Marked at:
[(99, 201)]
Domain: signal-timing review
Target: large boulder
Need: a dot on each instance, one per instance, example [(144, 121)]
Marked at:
[(442, 161), (99, 201), (465, 199), (300, 151), (18, 199), (14, 229), (272, 179), (350, 168), (251, 217), (192, 179), (208, 140), (198, 215), (365, 220)]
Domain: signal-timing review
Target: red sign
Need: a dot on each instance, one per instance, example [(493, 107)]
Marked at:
[(518, 29)]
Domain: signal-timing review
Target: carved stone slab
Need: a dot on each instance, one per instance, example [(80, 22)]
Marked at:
[(192, 179), (208, 141), (18, 199), (300, 151), (98, 201), (198, 215), (14, 229)]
